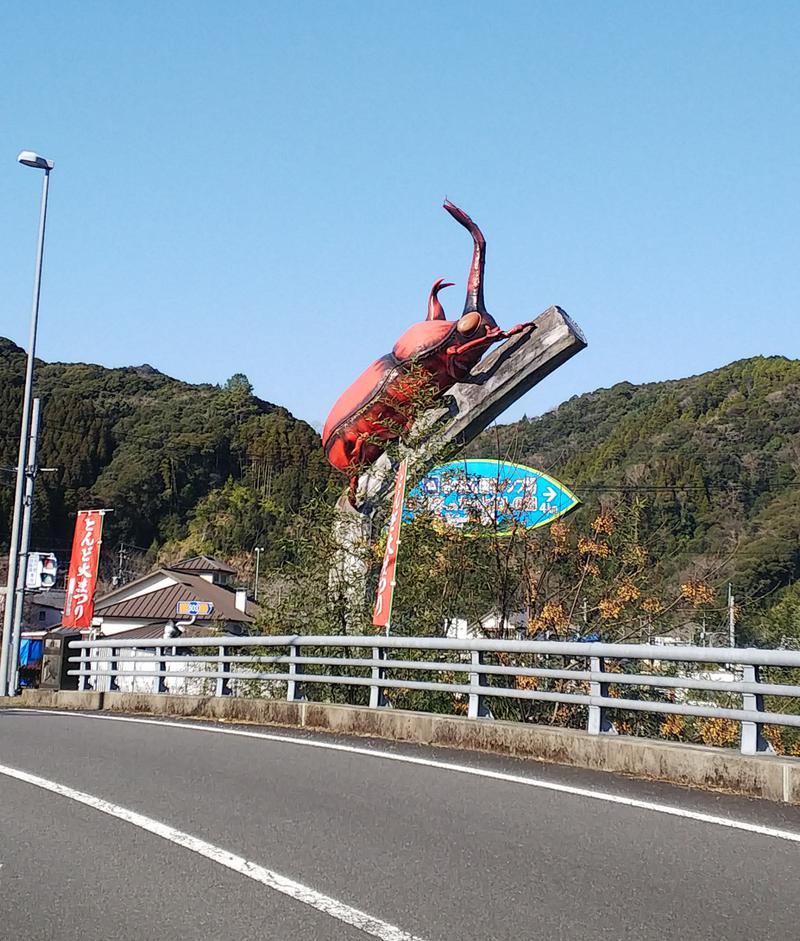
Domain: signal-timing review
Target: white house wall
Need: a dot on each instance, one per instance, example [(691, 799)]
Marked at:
[(133, 678), (112, 626)]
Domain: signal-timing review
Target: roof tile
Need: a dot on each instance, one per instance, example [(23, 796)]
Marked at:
[(161, 604), (202, 563)]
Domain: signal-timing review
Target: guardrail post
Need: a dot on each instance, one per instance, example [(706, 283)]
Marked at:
[(84, 664), (161, 667), (294, 689), (753, 740), (477, 705), (104, 664), (598, 715), (377, 694), (113, 679), (223, 686)]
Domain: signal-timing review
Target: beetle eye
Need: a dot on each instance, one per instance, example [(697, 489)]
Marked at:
[(469, 323)]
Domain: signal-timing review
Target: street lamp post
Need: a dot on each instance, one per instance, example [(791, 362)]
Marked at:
[(29, 159), (258, 551), (24, 549)]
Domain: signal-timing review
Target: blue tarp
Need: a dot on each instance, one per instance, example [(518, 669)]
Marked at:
[(30, 651)]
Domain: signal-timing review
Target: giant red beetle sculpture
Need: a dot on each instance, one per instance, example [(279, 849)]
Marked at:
[(436, 353)]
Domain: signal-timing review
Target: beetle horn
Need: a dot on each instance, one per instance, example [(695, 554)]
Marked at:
[(475, 284), (435, 309)]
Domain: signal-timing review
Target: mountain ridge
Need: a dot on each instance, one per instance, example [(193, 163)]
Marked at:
[(714, 458)]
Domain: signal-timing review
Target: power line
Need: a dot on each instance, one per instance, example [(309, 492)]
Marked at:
[(611, 488), (680, 488)]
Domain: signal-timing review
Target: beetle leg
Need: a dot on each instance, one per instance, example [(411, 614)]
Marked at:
[(492, 335), (358, 451), (518, 328)]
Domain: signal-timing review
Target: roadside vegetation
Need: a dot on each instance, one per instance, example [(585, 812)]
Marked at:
[(686, 486)]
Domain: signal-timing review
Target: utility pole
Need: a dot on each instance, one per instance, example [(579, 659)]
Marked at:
[(24, 549), (731, 618), (119, 578), (258, 551)]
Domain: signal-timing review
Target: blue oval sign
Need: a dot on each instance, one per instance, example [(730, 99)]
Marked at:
[(490, 493)]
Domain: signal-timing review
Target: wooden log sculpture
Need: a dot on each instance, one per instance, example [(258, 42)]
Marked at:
[(472, 389)]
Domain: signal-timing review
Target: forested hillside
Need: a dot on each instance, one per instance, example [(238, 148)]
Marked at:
[(706, 470), (714, 460), (169, 457)]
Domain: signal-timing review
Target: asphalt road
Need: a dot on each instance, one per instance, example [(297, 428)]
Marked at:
[(427, 851)]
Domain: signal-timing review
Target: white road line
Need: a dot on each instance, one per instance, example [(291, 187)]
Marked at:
[(653, 806), (273, 880)]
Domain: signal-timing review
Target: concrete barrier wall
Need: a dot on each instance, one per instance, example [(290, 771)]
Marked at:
[(765, 776)]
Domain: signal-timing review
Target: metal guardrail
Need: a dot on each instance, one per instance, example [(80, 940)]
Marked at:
[(604, 666)]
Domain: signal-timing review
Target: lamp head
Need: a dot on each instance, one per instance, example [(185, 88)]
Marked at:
[(31, 159)]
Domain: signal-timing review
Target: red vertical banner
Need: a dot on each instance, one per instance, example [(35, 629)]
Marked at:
[(82, 578), (386, 582)]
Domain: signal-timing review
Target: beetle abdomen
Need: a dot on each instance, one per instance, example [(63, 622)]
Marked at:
[(359, 394), (379, 405), (366, 416)]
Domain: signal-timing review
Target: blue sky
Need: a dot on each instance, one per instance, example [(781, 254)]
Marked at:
[(256, 187)]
